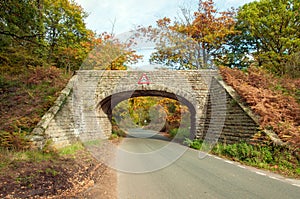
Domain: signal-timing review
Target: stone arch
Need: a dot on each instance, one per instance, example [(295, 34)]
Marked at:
[(106, 105)]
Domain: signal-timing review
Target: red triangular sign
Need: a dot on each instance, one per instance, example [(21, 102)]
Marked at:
[(144, 79)]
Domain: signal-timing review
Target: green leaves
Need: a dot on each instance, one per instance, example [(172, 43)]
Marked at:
[(20, 20), (65, 29), (45, 31), (271, 27)]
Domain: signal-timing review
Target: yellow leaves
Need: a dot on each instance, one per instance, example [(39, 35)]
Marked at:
[(157, 109)]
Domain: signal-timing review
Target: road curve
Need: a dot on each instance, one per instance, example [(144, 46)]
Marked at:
[(191, 177)]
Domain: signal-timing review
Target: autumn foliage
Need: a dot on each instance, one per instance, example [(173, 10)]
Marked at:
[(105, 52), (274, 99), (194, 40), (25, 95), (156, 113)]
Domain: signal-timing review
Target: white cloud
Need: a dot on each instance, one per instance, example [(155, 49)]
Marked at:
[(137, 12)]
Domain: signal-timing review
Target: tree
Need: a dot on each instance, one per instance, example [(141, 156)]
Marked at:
[(50, 31), (192, 42), (65, 29), (20, 20), (150, 112), (108, 53), (235, 53), (53, 32), (210, 29), (21, 32), (271, 31), (173, 48)]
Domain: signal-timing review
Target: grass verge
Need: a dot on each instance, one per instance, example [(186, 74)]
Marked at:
[(278, 159), (62, 173)]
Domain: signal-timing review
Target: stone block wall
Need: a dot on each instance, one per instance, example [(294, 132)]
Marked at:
[(57, 125), (235, 120)]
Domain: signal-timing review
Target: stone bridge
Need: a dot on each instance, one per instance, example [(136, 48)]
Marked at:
[(84, 108)]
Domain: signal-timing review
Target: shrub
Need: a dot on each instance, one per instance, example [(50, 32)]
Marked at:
[(14, 140), (173, 132), (117, 131), (270, 157), (195, 144), (292, 66), (113, 136)]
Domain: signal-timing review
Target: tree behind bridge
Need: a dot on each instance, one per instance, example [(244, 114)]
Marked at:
[(194, 40), (269, 31)]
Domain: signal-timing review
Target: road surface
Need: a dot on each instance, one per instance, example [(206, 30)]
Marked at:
[(188, 176)]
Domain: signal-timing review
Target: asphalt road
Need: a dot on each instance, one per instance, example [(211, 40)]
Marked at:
[(155, 168)]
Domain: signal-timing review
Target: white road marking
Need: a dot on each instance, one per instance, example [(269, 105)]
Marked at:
[(241, 166), (228, 161), (274, 178), (297, 185), (259, 173)]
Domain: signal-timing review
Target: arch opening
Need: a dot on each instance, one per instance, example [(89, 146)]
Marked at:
[(107, 105)]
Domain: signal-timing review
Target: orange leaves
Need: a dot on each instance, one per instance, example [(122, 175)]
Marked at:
[(163, 22), (210, 27), (108, 53), (277, 110), (191, 41), (99, 52), (174, 110), (106, 36)]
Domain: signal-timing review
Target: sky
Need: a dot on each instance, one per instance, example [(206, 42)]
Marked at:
[(126, 14)]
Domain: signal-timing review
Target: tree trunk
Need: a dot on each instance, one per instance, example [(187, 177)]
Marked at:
[(204, 58)]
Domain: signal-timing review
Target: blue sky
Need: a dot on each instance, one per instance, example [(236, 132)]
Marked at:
[(129, 13)]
